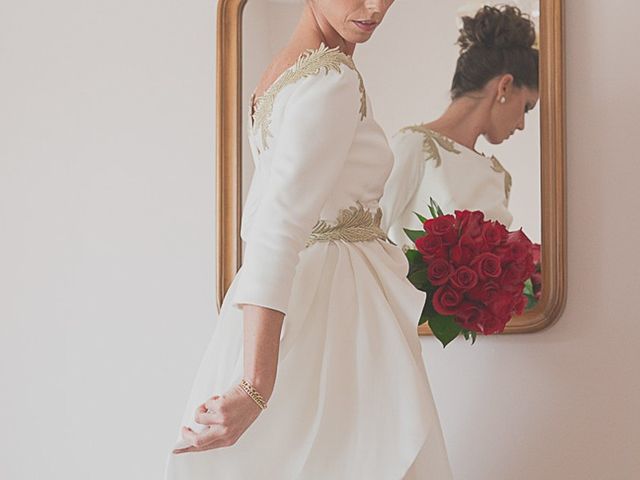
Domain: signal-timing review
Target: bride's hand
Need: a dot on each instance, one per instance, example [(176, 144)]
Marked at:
[(226, 416)]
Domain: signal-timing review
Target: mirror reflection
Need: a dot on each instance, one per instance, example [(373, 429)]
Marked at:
[(463, 132)]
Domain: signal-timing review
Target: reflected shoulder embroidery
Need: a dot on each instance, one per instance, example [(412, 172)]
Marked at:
[(431, 141), (496, 166), (312, 62)]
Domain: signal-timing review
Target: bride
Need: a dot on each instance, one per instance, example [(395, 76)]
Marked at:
[(494, 86), (322, 297)]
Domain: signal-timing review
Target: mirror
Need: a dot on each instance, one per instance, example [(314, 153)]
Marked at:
[(407, 67)]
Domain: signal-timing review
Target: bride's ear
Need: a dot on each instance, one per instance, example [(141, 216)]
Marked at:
[(505, 87)]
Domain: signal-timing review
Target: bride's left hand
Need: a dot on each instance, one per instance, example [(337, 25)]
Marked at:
[(227, 417)]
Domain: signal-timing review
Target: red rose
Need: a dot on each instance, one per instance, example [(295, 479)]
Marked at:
[(450, 237), (502, 304), (487, 265), (428, 244), (514, 276), (537, 253), (469, 223), (446, 300), (444, 227), (464, 279), (520, 304), (518, 245), (494, 233), (529, 266), (520, 237), (494, 324), (438, 271), (464, 251), (480, 319), (468, 315), (473, 317), (485, 291)]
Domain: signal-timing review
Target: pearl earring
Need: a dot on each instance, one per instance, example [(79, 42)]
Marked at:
[(503, 99)]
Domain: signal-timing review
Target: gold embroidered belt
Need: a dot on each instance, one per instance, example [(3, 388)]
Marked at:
[(353, 224)]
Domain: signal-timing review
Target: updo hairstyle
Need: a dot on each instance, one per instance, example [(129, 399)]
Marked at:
[(496, 41)]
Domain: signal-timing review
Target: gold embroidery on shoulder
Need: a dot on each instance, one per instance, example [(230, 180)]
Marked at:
[(311, 62), (430, 143), (353, 224), (496, 166)]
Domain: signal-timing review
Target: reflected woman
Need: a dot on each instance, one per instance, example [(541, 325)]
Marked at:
[(494, 86)]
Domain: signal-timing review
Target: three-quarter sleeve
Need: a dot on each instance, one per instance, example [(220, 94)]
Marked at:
[(403, 182), (314, 137)]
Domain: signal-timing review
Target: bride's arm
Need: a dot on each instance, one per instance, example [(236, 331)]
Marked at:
[(262, 327), (227, 416), (314, 139), (316, 135), (402, 184)]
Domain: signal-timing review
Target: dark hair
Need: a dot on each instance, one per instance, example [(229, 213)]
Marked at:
[(496, 41)]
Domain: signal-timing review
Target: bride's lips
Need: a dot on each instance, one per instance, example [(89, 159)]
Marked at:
[(366, 25)]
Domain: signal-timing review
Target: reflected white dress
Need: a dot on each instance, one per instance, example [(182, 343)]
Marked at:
[(352, 399), (428, 164)]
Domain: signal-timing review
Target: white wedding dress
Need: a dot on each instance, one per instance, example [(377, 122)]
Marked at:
[(428, 164), (352, 398)]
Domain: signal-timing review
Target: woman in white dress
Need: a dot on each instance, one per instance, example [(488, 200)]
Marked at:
[(322, 297), (495, 84)]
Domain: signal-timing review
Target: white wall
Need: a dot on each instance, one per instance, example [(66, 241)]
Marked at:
[(107, 250), (106, 231)]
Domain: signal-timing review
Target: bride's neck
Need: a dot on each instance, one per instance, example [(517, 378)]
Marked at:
[(314, 28), (462, 122)]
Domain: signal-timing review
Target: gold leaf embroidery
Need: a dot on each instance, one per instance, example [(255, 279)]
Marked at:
[(430, 149), (431, 141), (353, 224), (496, 166), (311, 62)]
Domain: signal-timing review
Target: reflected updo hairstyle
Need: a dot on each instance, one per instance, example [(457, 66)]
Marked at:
[(496, 41)]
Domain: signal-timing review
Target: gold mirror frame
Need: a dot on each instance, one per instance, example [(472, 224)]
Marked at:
[(553, 167)]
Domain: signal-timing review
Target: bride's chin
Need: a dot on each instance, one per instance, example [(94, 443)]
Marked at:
[(362, 40), (359, 36)]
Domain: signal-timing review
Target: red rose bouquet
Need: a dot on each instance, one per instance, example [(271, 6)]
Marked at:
[(473, 271)]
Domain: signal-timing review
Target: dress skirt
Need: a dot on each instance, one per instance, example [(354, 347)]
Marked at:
[(351, 399)]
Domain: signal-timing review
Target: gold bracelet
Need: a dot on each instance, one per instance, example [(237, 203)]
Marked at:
[(253, 393)]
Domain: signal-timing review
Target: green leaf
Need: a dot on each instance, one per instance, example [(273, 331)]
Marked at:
[(420, 217), (432, 211), (419, 278), (469, 335), (414, 256), (438, 209), (444, 328), (414, 234), (528, 287), (530, 294), (435, 206)]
